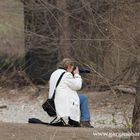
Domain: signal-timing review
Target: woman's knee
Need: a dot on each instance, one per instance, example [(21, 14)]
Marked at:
[(83, 97)]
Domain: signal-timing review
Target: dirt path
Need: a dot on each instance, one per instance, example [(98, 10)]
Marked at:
[(9, 131)]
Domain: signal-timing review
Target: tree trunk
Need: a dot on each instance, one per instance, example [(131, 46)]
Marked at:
[(64, 32), (136, 111)]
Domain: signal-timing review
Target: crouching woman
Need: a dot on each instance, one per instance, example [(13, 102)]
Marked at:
[(67, 101)]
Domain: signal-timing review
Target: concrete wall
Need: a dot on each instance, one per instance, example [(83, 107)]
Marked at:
[(11, 28)]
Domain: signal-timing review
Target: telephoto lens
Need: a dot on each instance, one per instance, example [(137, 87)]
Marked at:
[(82, 69)]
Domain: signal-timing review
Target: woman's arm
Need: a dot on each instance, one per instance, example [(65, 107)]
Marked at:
[(73, 82)]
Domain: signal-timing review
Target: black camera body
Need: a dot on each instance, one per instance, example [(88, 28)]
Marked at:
[(82, 70)]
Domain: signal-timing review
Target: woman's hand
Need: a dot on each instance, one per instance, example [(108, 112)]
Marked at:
[(76, 70)]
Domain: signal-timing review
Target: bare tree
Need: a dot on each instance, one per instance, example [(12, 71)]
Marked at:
[(136, 111), (63, 30)]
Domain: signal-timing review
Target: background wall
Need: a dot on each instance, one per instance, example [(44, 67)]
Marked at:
[(11, 28)]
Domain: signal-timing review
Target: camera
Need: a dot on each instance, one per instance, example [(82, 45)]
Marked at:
[(81, 69)]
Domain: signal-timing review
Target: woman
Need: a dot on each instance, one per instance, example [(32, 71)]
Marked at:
[(67, 102)]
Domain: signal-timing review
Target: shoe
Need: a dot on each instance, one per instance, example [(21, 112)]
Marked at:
[(73, 123), (86, 124)]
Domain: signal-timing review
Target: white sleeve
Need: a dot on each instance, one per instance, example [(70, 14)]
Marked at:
[(73, 82)]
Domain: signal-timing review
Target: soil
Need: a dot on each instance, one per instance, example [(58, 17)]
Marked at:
[(109, 113)]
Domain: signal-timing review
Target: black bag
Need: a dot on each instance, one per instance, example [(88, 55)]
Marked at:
[(49, 105), (38, 121)]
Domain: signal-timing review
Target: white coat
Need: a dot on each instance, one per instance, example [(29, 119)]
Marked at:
[(66, 98)]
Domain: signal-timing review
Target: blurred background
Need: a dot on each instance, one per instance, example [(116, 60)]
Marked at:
[(102, 35)]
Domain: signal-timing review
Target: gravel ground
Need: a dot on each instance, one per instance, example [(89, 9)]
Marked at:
[(17, 106)]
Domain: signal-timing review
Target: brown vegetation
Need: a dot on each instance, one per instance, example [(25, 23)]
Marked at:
[(95, 33)]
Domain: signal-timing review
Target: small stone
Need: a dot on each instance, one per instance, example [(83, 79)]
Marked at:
[(3, 107)]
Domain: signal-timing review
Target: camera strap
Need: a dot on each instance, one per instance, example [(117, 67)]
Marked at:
[(57, 84)]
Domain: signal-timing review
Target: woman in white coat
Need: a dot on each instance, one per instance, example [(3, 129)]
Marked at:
[(67, 101)]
